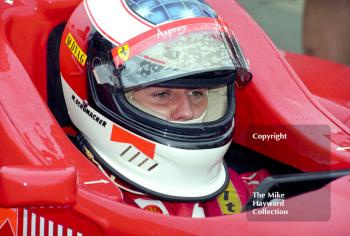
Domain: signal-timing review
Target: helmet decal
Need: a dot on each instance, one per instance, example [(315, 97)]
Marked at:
[(100, 16), (122, 136), (88, 111), (73, 46), (123, 52)]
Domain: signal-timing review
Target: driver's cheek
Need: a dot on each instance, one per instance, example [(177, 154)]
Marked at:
[(165, 110), (199, 105)]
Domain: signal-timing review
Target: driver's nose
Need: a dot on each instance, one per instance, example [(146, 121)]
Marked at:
[(183, 109)]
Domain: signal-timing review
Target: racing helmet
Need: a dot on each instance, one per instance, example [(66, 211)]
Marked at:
[(112, 50)]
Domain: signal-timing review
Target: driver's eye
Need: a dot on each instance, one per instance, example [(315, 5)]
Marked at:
[(196, 93), (161, 94)]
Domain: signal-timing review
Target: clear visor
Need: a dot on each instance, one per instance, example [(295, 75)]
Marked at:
[(173, 53)]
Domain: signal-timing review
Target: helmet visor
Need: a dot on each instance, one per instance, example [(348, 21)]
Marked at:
[(176, 50)]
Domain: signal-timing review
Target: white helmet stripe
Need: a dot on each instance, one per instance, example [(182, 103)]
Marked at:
[(117, 34)]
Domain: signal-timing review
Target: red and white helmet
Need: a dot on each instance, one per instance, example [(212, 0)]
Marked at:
[(111, 48)]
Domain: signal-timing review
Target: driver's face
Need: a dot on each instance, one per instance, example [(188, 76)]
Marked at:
[(173, 103)]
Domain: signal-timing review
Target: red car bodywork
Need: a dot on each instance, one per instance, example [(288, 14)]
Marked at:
[(75, 198)]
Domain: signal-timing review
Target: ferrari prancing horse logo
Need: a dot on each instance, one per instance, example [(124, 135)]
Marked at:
[(123, 52)]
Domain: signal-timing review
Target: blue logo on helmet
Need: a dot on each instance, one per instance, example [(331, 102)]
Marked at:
[(161, 11)]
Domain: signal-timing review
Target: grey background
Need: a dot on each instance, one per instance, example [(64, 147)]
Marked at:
[(281, 20)]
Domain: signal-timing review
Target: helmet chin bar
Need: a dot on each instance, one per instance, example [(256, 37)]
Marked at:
[(111, 173)]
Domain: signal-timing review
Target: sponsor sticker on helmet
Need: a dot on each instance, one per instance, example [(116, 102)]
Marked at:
[(75, 49), (89, 111), (123, 52), (120, 135), (229, 201)]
